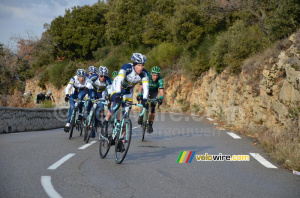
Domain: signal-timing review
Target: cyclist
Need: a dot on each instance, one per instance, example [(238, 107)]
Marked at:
[(156, 84), (129, 75), (97, 86), (92, 70), (78, 84), (49, 96)]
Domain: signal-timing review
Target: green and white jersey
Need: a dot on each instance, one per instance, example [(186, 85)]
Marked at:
[(154, 86)]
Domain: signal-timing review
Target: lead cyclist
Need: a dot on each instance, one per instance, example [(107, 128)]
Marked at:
[(129, 75)]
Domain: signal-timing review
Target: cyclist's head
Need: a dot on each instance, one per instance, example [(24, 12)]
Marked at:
[(114, 74), (138, 58), (103, 71), (92, 70), (138, 61), (81, 75), (155, 71)]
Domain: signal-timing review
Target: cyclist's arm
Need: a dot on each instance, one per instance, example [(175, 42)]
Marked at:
[(161, 87), (145, 82), (161, 92), (119, 79), (70, 85)]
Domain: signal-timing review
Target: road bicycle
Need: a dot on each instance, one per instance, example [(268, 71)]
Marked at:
[(89, 124), (145, 121), (74, 122), (118, 132)]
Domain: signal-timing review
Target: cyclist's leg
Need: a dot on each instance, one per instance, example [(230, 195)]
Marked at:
[(81, 95), (92, 95), (72, 103), (152, 95), (127, 96)]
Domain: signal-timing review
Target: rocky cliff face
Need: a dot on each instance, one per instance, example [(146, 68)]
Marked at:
[(264, 104)]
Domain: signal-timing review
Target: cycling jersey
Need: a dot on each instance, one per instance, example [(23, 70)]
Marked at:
[(76, 85), (95, 84), (128, 78)]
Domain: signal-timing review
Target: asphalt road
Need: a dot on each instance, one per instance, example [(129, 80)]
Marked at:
[(149, 169)]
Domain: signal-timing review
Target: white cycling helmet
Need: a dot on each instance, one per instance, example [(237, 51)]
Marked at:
[(103, 71)]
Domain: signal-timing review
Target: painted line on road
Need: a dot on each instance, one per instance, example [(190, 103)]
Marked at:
[(210, 119), (61, 161), (135, 127), (233, 135), (87, 145), (262, 160), (47, 185)]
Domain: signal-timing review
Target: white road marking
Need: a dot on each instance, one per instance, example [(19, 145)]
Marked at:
[(61, 161), (210, 119), (47, 185), (87, 145), (233, 135), (262, 160), (135, 127)]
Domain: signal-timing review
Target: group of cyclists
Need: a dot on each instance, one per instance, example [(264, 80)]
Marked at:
[(96, 84)]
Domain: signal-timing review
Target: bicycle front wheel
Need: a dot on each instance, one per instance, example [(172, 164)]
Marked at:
[(123, 141), (144, 124), (72, 124)]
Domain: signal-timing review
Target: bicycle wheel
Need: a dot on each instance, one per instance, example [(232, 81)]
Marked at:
[(144, 124), (92, 123), (123, 142), (72, 124), (86, 130), (81, 127), (104, 143)]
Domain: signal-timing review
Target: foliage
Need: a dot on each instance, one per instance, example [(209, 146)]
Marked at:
[(80, 31), (163, 55), (44, 78), (235, 45)]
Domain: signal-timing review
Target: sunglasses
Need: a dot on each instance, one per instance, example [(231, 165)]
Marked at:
[(101, 76)]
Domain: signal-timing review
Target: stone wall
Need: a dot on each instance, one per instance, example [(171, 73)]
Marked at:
[(31, 119)]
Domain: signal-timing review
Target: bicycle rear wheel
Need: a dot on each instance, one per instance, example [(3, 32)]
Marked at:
[(72, 124), (123, 142)]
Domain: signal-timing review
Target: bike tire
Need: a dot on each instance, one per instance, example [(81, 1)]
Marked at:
[(120, 156), (91, 129), (144, 124), (81, 128), (104, 143), (86, 130), (72, 124)]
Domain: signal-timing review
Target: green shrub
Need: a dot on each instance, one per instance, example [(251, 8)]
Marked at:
[(163, 55), (70, 71), (44, 78), (235, 45), (55, 73), (200, 63), (47, 104)]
